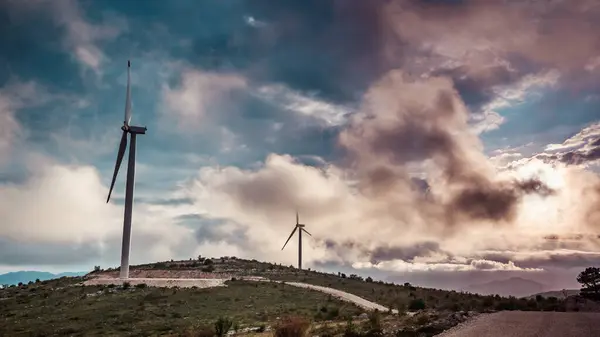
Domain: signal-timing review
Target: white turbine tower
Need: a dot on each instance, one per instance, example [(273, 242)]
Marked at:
[(133, 131), (300, 228)]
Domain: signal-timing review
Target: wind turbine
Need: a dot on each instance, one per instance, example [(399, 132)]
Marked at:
[(133, 131), (300, 228)]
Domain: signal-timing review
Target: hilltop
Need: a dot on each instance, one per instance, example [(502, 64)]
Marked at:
[(64, 306)]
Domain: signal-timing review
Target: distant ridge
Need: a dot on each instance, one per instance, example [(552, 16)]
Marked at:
[(557, 293), (514, 286), (26, 276)]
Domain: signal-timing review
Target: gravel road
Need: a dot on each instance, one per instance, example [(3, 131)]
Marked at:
[(529, 324), (359, 301)]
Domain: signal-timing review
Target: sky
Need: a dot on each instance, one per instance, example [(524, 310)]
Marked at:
[(436, 142)]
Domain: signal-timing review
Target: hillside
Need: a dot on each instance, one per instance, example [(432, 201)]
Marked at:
[(65, 307), (27, 276), (402, 297)]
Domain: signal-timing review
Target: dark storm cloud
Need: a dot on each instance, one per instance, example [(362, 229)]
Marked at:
[(212, 231), (428, 122), (407, 253), (334, 47), (385, 252)]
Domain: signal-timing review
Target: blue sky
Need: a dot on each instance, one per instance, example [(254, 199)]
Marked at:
[(246, 99)]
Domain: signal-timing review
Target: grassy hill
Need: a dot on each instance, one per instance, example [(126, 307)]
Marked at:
[(65, 307), (391, 295)]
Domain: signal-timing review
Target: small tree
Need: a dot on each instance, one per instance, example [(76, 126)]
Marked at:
[(416, 304), (222, 326), (590, 283)]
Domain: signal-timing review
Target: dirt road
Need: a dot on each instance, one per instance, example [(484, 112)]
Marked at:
[(359, 301), (529, 324)]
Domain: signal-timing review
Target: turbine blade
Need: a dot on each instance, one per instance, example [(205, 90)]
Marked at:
[(305, 231), (288, 240), (120, 155), (297, 218), (128, 97)]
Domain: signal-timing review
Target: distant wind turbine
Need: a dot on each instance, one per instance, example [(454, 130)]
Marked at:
[(133, 131), (300, 228)]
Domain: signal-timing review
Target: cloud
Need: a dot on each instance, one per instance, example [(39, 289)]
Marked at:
[(198, 95), (474, 265), (60, 210), (81, 36), (367, 207), (14, 96), (328, 113), (494, 29), (580, 149)]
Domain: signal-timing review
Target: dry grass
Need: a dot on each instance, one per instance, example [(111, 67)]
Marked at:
[(292, 327)]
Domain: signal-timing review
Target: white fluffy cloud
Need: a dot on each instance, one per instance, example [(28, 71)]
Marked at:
[(199, 94), (65, 206)]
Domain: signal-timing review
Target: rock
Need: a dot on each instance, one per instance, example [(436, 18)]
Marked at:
[(363, 316)]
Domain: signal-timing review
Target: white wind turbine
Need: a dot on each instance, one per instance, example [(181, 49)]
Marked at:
[(300, 228), (133, 131)]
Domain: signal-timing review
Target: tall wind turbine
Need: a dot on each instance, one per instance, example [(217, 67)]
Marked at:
[(300, 228), (133, 131)]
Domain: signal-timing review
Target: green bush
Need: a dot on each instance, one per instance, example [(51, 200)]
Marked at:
[(222, 326), (416, 304), (209, 268), (350, 329)]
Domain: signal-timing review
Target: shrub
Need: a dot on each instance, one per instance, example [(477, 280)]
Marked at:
[(416, 304), (261, 328), (350, 329), (209, 268), (208, 262), (141, 285), (372, 326), (222, 326), (126, 285), (292, 327), (333, 313)]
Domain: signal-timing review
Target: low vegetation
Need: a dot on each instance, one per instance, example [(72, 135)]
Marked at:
[(61, 307), (64, 307)]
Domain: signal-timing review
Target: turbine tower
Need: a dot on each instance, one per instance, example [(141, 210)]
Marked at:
[(133, 131), (300, 228)]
